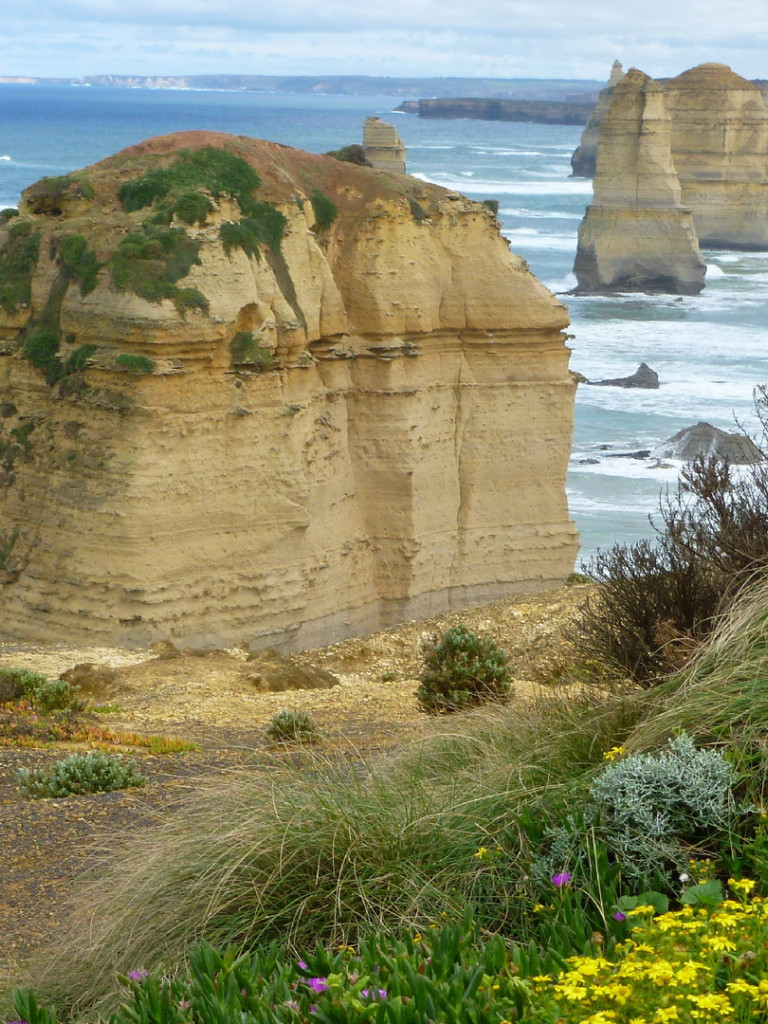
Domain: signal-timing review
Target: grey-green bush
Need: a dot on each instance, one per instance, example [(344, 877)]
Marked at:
[(293, 727), (93, 772), (462, 669)]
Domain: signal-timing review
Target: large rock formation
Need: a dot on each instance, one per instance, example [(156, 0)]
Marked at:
[(382, 146), (636, 234), (285, 411), (584, 159), (720, 151)]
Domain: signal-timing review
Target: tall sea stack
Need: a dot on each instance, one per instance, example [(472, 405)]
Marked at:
[(636, 234)]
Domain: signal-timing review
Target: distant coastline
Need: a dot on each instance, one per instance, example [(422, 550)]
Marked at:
[(545, 89)]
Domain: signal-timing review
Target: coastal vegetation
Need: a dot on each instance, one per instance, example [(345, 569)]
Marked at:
[(18, 257)]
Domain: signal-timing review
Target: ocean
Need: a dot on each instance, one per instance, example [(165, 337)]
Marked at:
[(710, 351)]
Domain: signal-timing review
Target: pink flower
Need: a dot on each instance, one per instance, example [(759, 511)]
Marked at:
[(560, 880), (318, 984), (618, 916), (137, 975)]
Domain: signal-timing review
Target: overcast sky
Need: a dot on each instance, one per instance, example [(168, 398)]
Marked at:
[(498, 38)]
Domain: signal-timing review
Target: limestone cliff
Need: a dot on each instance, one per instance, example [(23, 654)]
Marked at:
[(636, 234), (253, 393), (720, 150), (584, 159)]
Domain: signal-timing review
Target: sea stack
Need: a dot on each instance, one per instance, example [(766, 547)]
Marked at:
[(720, 150), (383, 147), (584, 159), (252, 393), (636, 234)]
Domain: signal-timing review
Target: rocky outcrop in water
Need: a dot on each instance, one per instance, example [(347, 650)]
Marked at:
[(643, 377), (703, 439), (636, 234), (253, 393)]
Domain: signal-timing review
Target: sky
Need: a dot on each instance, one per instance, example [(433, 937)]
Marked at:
[(467, 38)]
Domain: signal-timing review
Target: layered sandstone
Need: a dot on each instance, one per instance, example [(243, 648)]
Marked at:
[(636, 234), (584, 159), (383, 147), (393, 443), (720, 150)]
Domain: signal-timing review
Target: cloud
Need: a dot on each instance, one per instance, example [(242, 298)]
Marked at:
[(505, 38)]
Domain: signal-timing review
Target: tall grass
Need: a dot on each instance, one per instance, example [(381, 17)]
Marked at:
[(328, 850), (721, 696)]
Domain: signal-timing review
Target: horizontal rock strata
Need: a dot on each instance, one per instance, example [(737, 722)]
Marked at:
[(636, 234), (330, 404)]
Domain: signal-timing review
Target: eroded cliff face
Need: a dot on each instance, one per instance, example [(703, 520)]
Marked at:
[(720, 150), (584, 159), (286, 414), (636, 234)]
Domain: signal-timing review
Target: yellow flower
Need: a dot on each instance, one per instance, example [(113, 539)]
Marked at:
[(719, 943), (614, 753), (665, 1013), (483, 853), (541, 979), (742, 884)]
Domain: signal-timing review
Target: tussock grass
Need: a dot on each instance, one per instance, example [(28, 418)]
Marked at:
[(721, 696), (331, 849)]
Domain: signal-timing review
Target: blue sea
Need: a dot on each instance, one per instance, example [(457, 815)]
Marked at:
[(710, 352)]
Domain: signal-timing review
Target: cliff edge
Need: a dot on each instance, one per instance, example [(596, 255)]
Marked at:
[(253, 393)]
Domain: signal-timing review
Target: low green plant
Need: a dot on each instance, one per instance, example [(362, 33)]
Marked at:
[(47, 695), (287, 726), (354, 154), (77, 359), (245, 350), (193, 207), (18, 256), (185, 299), (324, 209), (462, 669), (42, 344), (80, 263), (8, 214), (150, 260), (78, 774), (47, 195), (418, 212), (134, 363), (492, 205), (250, 233)]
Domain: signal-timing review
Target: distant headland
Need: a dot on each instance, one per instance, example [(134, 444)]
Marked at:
[(552, 89)]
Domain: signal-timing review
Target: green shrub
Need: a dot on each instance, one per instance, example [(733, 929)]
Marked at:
[(185, 299), (135, 364), (462, 669), (249, 233), (293, 727), (18, 257), (354, 154), (216, 170), (93, 772), (324, 209), (47, 695), (492, 205), (149, 261), (193, 207), (417, 211), (80, 263), (245, 350), (8, 214), (79, 357), (41, 345)]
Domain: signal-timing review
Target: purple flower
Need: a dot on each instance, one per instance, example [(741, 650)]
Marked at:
[(302, 964), (137, 975), (560, 880), (374, 993), (618, 916), (318, 984)]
